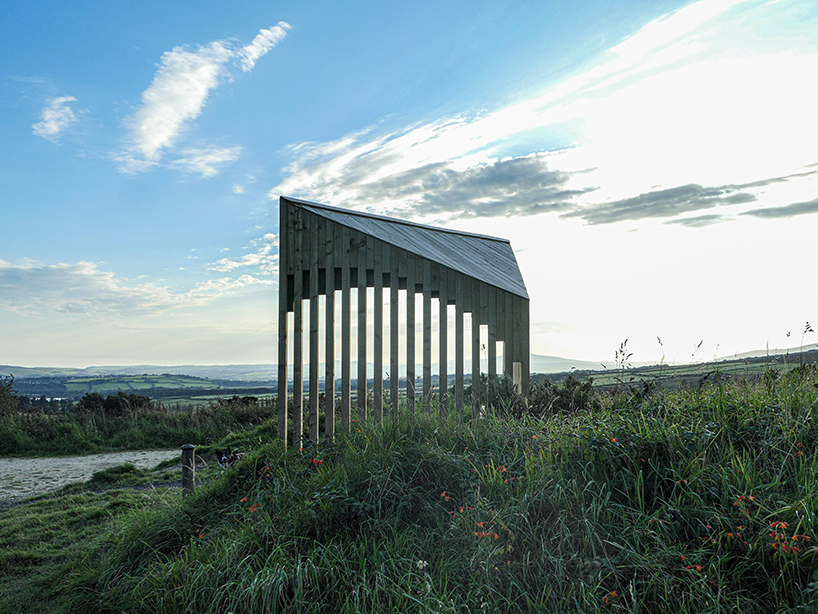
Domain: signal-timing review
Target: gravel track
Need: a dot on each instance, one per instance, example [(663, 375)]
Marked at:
[(21, 478)]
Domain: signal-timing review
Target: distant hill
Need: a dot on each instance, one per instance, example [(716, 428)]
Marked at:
[(266, 374), (259, 373), (235, 373), (554, 364)]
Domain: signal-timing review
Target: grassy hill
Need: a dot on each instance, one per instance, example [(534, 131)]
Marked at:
[(684, 500), (689, 374), (142, 384)]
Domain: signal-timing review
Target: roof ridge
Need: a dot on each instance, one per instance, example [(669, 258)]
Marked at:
[(384, 218)]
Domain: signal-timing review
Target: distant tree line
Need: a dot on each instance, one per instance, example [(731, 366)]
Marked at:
[(43, 387), (112, 406), (28, 404)]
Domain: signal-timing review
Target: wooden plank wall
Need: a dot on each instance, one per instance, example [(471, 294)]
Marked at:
[(319, 257)]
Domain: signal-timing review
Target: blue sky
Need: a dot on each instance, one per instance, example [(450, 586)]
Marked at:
[(653, 163)]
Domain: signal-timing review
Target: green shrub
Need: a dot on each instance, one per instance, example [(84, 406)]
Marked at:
[(8, 397), (124, 422)]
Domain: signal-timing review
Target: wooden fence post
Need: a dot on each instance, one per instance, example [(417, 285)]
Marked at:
[(188, 469)]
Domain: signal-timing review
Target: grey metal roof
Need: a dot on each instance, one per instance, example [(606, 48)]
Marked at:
[(488, 259)]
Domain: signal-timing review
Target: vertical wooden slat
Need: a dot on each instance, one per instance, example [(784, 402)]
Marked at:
[(500, 321), (329, 333), (475, 350), (526, 340), (377, 335), (492, 338), (362, 332), (508, 340), (298, 329), (410, 333), (427, 335), (394, 334), (459, 342), (283, 302), (443, 342), (312, 232), (291, 235), (346, 333), (517, 352)]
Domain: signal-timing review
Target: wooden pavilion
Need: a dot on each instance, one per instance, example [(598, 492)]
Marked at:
[(323, 250)]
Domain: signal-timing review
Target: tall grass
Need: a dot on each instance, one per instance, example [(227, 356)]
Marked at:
[(642, 501), (41, 433)]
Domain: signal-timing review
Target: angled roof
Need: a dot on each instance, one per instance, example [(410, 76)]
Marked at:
[(488, 259)]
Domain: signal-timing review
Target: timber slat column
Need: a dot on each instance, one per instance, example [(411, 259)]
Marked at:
[(298, 329), (500, 323), (475, 350), (525, 341), (443, 341), (492, 323), (362, 338), (459, 343), (410, 333), (517, 375), (346, 333), (380, 261), (313, 231), (283, 310), (394, 334), (329, 335), (427, 336), (508, 317)]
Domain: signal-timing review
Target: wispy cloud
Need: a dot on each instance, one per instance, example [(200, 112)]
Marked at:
[(680, 200), (178, 93), (54, 118), (81, 288), (264, 258), (657, 127), (698, 221), (786, 211), (662, 203), (204, 161), (262, 43), (513, 186)]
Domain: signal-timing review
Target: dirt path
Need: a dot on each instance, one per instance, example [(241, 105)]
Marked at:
[(26, 477)]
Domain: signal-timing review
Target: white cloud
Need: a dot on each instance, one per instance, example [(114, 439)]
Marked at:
[(237, 188), (204, 161), (55, 118), (36, 289), (178, 93), (262, 43), (215, 288), (264, 258)]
